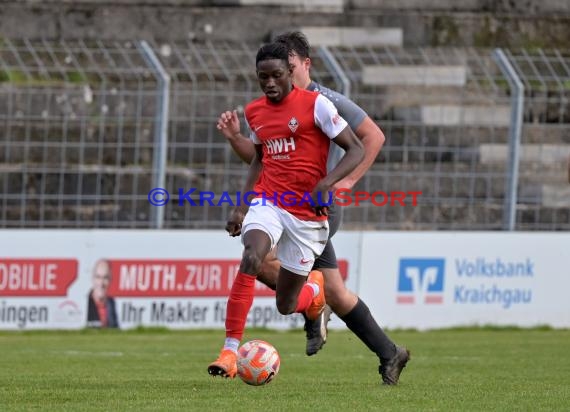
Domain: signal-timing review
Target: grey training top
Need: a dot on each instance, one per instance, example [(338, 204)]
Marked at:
[(347, 109)]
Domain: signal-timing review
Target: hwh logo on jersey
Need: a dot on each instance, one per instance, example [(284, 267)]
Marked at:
[(281, 145)]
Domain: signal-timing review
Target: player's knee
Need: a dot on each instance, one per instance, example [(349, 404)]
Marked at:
[(269, 272), (270, 266), (338, 296), (250, 262), (332, 296), (267, 279), (285, 306), (332, 289)]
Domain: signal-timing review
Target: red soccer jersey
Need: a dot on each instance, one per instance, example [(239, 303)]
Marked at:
[(295, 134)]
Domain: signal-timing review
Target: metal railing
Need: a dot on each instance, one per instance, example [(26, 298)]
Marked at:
[(88, 128)]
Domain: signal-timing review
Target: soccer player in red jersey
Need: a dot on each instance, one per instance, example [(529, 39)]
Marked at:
[(291, 129), (344, 303)]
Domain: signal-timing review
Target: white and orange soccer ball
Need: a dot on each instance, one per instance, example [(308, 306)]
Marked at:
[(258, 362)]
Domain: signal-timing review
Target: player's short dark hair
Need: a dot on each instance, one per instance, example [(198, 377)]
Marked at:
[(296, 41), (273, 51)]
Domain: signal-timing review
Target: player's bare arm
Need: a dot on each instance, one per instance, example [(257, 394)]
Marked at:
[(229, 125), (372, 139), (233, 225), (354, 154)]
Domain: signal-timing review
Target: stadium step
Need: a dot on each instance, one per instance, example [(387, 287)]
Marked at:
[(414, 75), (456, 115), (353, 36), (453, 215), (59, 213), (548, 195), (545, 154), (323, 6)]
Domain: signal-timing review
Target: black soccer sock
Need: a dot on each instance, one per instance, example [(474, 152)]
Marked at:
[(360, 321)]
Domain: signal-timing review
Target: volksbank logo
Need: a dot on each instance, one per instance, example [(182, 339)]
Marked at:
[(421, 281)]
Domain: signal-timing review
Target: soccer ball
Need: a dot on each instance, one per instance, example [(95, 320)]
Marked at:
[(258, 362)]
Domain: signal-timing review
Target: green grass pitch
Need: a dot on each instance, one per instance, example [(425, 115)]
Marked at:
[(147, 370)]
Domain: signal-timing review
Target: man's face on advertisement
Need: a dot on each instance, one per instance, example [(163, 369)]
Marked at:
[(101, 280)]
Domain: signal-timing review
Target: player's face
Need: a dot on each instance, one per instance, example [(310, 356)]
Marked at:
[(300, 68), (274, 78)]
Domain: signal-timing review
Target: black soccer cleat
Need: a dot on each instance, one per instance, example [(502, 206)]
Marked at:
[(391, 370), (317, 331)]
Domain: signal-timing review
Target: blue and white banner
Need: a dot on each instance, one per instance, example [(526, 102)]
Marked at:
[(430, 280)]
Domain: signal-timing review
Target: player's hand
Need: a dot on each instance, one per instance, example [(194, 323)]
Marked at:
[(321, 210), (228, 123), (321, 199), (233, 225)]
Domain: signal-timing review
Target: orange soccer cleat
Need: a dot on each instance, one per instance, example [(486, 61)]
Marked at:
[(225, 365), (318, 304)]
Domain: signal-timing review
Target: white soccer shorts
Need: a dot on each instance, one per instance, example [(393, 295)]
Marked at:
[(298, 242)]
